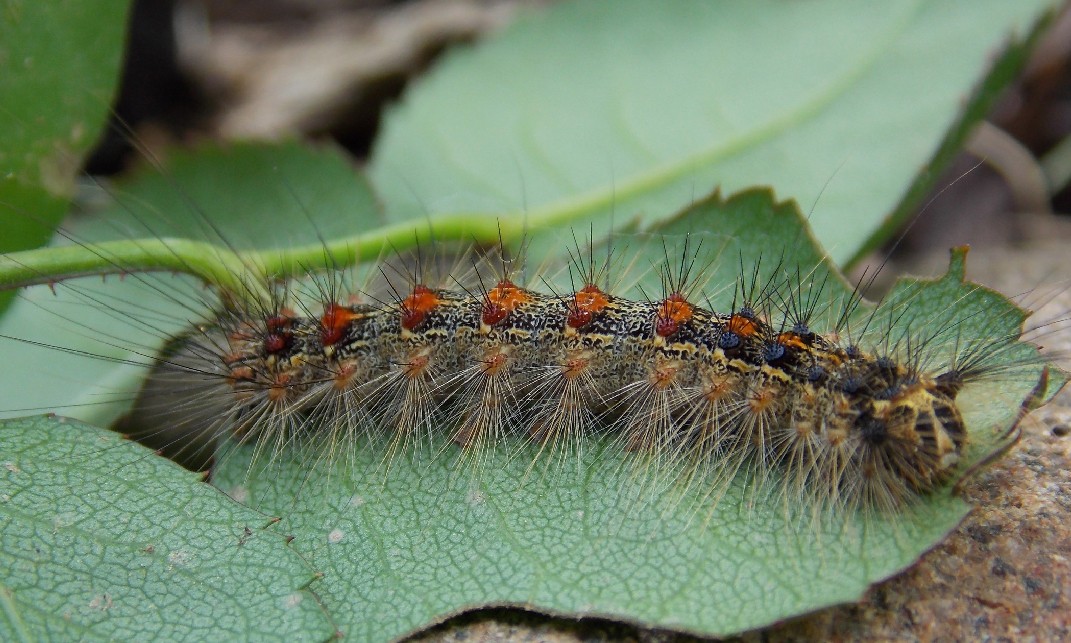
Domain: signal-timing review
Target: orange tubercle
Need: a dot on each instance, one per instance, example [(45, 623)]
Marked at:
[(344, 376), (279, 387), (495, 361), (672, 312), (417, 366), (417, 305), (791, 340), (333, 323), (587, 302), (761, 399), (502, 300), (662, 376), (742, 326), (575, 365), (717, 388), (241, 374)]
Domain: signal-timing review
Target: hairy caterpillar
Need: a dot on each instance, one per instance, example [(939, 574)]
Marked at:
[(664, 374), (861, 413)]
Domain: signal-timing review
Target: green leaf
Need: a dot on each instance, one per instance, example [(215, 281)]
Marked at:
[(99, 539), (59, 66), (241, 195), (634, 109), (430, 541)]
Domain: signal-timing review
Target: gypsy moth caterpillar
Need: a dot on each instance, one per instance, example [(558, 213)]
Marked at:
[(757, 388)]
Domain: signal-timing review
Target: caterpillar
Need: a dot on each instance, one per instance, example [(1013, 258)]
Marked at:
[(840, 422), (758, 388)]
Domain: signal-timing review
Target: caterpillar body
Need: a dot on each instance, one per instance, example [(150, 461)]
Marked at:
[(836, 418), (781, 381), (665, 374)]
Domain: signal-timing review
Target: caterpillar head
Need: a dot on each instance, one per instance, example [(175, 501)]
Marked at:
[(914, 438)]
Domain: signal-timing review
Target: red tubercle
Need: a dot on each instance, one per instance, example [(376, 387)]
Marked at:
[(277, 342), (665, 327), (421, 301), (672, 312), (278, 337), (579, 318), (493, 314), (282, 321), (502, 300), (587, 302), (333, 323)]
